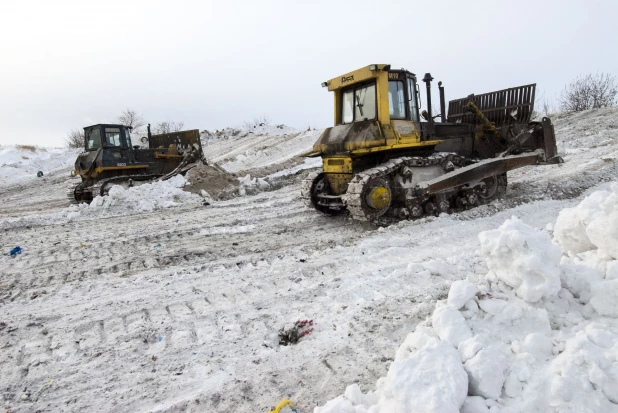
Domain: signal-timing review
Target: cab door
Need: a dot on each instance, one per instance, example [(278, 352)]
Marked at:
[(116, 152), (403, 110)]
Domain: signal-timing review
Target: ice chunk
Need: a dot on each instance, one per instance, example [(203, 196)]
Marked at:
[(523, 258), (461, 291), (430, 380), (468, 348), (605, 298), (537, 344), (590, 225), (486, 373), (450, 325), (603, 229), (578, 279)]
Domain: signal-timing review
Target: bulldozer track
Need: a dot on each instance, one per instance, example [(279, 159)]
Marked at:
[(357, 185), (353, 196)]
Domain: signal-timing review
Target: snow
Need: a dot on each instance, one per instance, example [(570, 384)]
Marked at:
[(545, 334), (486, 373), (523, 259), (20, 163), (177, 309), (450, 325), (241, 150), (592, 224), (460, 293), (428, 379), (147, 197)]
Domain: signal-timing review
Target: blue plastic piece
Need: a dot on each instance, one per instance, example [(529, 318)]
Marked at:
[(14, 251)]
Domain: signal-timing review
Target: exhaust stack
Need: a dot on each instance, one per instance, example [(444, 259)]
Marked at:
[(427, 79), (442, 103)]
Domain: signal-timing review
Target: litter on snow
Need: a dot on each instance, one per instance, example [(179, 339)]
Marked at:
[(14, 251)]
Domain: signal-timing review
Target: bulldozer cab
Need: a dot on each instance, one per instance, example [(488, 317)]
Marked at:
[(107, 136), (376, 110), (375, 93)]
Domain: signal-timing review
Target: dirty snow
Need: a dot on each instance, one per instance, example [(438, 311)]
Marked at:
[(178, 309)]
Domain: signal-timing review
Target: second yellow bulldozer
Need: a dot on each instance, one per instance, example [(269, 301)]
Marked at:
[(386, 160)]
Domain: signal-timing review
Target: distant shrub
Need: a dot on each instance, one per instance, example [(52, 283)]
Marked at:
[(168, 127), (589, 92), (75, 139), (30, 148)]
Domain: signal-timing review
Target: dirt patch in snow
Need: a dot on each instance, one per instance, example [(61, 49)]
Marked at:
[(219, 184)]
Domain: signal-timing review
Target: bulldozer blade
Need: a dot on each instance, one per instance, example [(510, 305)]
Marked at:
[(183, 140), (549, 140), (479, 171), (500, 107)]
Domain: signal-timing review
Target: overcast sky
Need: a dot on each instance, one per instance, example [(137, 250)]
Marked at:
[(68, 64)]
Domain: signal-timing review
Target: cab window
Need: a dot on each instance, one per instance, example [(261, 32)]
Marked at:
[(112, 136), (93, 139), (359, 103), (396, 99), (348, 107), (127, 135), (413, 100)]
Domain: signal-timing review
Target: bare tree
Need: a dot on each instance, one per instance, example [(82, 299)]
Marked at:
[(261, 121), (131, 118), (589, 92), (75, 139), (257, 121), (168, 127)]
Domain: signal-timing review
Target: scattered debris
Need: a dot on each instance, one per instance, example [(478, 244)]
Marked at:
[(291, 336), (281, 405), (327, 364), (14, 251), (37, 294)]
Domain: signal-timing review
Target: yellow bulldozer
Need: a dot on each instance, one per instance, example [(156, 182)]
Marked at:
[(386, 160)]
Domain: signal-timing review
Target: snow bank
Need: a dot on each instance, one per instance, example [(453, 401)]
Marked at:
[(19, 162), (147, 197), (241, 150), (537, 333)]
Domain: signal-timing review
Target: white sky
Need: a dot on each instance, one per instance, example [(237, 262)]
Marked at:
[(68, 64)]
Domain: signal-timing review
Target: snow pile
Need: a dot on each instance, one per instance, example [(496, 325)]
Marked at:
[(19, 162), (511, 256), (592, 225), (143, 198), (537, 333), (426, 376)]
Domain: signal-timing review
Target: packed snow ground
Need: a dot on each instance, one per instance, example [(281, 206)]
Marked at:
[(178, 309)]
